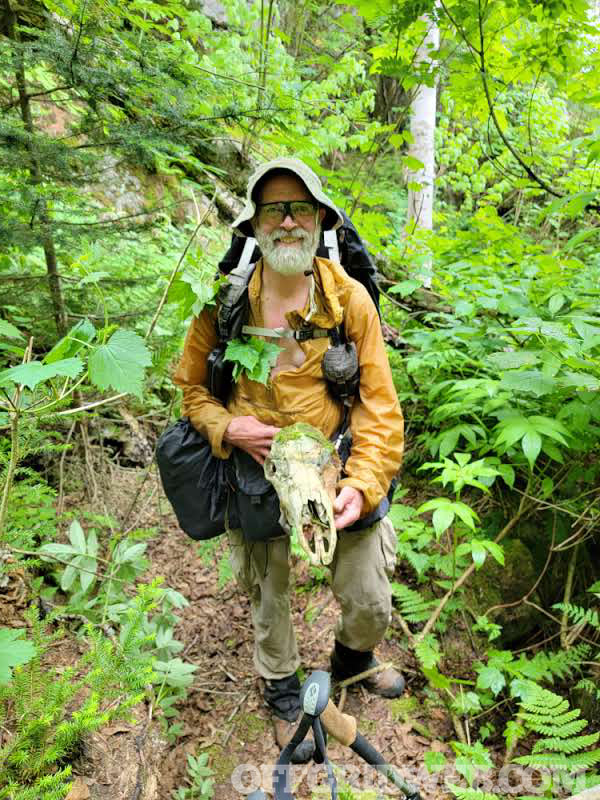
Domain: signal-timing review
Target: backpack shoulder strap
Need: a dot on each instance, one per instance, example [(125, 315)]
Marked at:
[(331, 243), (233, 302)]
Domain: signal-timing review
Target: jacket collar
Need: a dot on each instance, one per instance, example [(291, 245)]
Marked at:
[(329, 280)]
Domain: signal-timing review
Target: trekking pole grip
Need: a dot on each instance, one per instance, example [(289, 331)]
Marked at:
[(341, 726)]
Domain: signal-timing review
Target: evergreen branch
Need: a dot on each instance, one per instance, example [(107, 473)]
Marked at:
[(31, 95)]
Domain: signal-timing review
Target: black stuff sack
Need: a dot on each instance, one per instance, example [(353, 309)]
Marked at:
[(198, 485)]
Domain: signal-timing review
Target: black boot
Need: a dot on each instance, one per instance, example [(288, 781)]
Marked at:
[(346, 662), (283, 698)]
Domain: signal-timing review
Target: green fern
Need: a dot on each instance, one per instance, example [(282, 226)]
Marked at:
[(412, 606), (579, 615), (563, 747), (590, 687)]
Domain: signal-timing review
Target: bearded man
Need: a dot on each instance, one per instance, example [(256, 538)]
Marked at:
[(290, 288)]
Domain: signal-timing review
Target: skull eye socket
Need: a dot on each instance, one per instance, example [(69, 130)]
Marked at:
[(270, 469)]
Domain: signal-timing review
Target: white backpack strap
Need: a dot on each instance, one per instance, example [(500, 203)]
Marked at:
[(247, 252), (331, 243)]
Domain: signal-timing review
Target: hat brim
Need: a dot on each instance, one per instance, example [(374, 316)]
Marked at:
[(333, 218)]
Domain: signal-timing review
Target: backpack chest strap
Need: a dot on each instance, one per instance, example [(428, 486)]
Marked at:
[(302, 335)]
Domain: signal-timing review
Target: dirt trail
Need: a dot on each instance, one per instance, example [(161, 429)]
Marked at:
[(224, 713)]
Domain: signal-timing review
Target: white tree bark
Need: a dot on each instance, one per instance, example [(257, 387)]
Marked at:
[(422, 128)]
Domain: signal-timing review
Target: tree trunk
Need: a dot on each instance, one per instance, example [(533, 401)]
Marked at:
[(36, 178), (422, 128)]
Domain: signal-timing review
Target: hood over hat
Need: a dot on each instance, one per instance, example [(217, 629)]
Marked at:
[(333, 218)]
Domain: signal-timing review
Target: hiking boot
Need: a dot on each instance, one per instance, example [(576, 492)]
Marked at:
[(283, 698), (345, 663), (284, 730)]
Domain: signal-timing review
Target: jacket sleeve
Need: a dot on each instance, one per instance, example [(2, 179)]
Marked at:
[(207, 414), (376, 419)]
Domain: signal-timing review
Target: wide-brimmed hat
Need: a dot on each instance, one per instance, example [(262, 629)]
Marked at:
[(333, 218)]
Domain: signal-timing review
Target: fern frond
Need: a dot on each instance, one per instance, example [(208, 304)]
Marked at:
[(413, 607), (546, 760), (569, 745), (579, 615), (549, 665), (586, 685), (585, 760), (562, 749), (555, 728)]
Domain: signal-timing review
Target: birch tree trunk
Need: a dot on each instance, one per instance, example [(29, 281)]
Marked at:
[(422, 128)]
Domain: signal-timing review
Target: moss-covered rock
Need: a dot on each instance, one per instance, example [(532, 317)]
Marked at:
[(495, 585)]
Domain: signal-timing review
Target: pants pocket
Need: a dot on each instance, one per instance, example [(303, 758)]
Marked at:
[(388, 540)]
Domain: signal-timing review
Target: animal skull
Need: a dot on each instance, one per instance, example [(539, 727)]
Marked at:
[(304, 468)]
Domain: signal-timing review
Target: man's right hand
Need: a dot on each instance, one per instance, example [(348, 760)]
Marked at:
[(251, 435)]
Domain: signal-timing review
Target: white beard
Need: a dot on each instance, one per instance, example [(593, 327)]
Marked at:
[(289, 260)]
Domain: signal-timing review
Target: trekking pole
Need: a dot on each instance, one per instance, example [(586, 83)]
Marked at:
[(321, 713)]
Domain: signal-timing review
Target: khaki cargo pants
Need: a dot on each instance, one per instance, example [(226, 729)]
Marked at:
[(361, 566)]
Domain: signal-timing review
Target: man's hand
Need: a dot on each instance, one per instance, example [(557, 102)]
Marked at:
[(347, 507), (250, 435)]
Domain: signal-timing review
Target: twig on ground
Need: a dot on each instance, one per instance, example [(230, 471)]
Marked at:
[(362, 675), (232, 715)]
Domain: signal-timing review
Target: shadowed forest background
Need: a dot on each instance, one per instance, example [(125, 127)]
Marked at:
[(127, 133)]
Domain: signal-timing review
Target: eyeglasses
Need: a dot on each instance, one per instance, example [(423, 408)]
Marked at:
[(277, 212)]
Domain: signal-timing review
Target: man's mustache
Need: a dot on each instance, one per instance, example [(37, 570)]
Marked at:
[(276, 235)]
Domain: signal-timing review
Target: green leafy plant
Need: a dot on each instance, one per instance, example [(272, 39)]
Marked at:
[(253, 356), (199, 779)]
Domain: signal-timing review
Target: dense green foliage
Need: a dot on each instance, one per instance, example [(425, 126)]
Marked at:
[(126, 127)]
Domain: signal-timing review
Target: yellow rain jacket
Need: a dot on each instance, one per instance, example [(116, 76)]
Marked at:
[(301, 394)]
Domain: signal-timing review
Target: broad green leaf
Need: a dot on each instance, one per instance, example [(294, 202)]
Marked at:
[(88, 566), (268, 357), (77, 537), (532, 444), (514, 360), (434, 761), (34, 373), (9, 331), (478, 552), (404, 288), (61, 551), (81, 334), (529, 381), (579, 380), (67, 579), (243, 353), (555, 303), (255, 357), (466, 514), (411, 163), (442, 519), (494, 549), (119, 364), (14, 651)]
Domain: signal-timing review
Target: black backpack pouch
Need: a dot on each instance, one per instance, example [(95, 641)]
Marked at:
[(256, 501), (199, 486)]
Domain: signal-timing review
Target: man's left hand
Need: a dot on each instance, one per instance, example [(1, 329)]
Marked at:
[(347, 507)]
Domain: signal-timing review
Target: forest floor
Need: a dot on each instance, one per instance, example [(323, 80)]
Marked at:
[(224, 713)]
